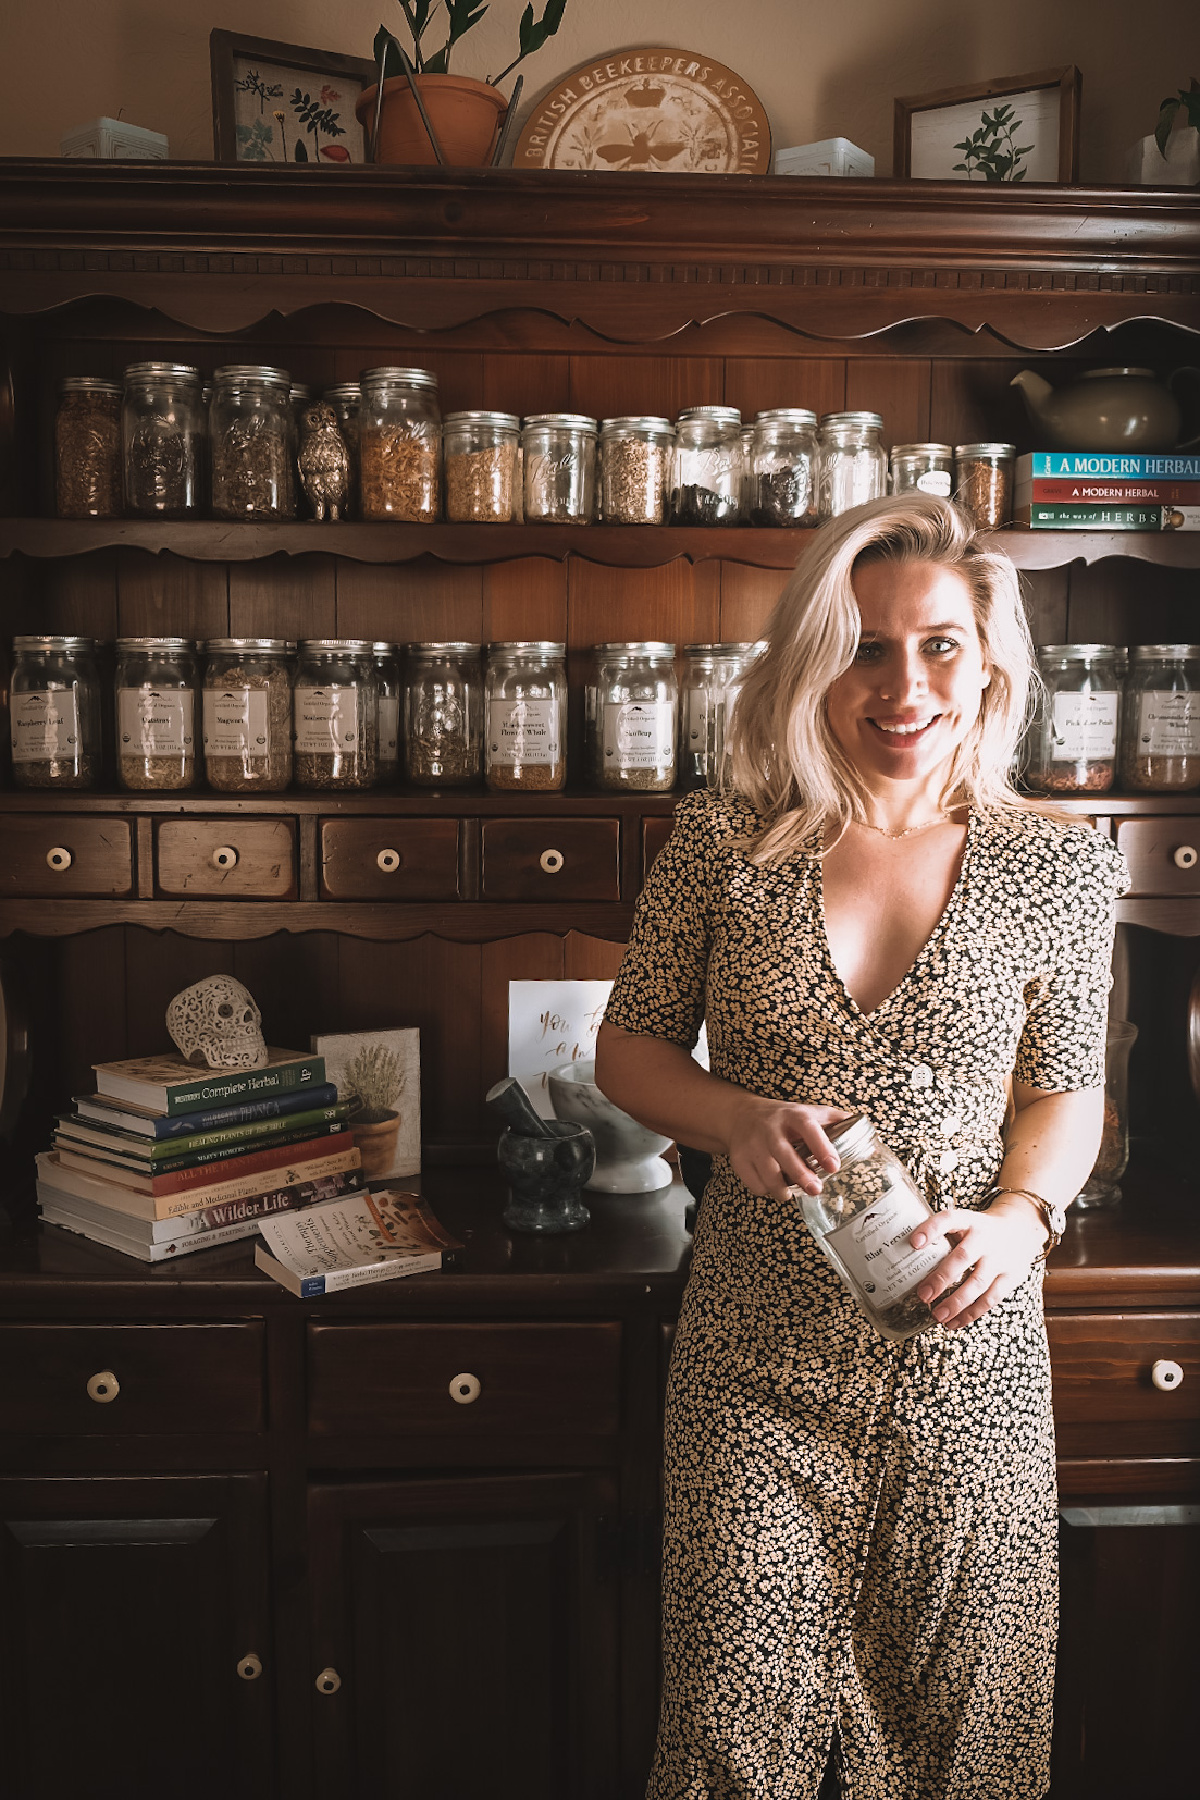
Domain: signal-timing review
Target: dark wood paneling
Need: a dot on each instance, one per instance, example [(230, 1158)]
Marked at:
[(289, 597), (898, 390), (423, 602), (532, 958), (525, 601), (748, 598), (632, 605), (756, 384), (525, 384), (606, 387), (164, 596)]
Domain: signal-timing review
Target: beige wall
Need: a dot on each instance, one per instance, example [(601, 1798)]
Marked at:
[(823, 68)]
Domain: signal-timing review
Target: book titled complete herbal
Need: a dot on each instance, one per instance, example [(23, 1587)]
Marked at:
[(171, 1086), (359, 1238)]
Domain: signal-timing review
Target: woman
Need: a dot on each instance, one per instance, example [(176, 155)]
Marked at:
[(860, 1555)]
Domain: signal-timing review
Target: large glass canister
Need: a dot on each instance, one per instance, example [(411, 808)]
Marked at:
[(525, 742), (1160, 741), (1073, 740), (246, 714), (443, 714), (923, 469), (335, 707), (387, 717), (558, 452), (481, 465), (637, 706), (162, 431), (54, 713), (983, 483), (400, 446), (708, 686), (635, 470), (156, 713), (862, 1219), (852, 464), (783, 467), (252, 440), (346, 401), (706, 480), (87, 449)]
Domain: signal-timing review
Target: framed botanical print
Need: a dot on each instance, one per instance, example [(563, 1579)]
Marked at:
[(281, 103), (1015, 129)]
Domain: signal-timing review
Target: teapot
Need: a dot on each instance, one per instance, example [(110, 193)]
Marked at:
[(1106, 409)]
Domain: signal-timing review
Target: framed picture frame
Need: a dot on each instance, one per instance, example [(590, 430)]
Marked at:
[(282, 103), (1017, 128)]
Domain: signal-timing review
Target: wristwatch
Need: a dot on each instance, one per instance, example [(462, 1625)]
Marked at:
[(1052, 1215)]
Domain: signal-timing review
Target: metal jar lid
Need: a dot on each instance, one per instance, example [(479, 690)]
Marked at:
[(786, 415), (226, 645), (336, 646), (720, 415), (448, 648), (496, 421), (560, 422), (852, 421), (345, 390), (383, 647), (160, 371), (852, 1136), (418, 378), (527, 647), (649, 648), (1165, 652), (907, 450), (985, 450), (636, 422), (156, 643), (1078, 652), (79, 645), (88, 384), (239, 374), (717, 649)]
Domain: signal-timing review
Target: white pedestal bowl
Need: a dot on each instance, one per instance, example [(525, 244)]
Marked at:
[(628, 1157)]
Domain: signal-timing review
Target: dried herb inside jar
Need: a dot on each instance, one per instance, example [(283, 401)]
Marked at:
[(87, 449), (247, 708)]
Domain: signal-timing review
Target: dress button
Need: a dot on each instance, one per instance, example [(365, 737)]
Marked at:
[(947, 1162), (951, 1124), (921, 1076)]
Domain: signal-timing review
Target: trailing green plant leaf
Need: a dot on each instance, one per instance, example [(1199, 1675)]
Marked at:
[(462, 15), (1189, 99)]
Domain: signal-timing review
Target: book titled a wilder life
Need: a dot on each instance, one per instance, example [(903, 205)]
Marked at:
[(346, 1242), (171, 1086)]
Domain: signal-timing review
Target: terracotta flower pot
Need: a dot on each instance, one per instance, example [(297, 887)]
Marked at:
[(376, 1140), (465, 115)]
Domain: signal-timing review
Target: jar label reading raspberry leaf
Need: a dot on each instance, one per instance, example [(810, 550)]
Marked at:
[(44, 724), (523, 731), (327, 721), (874, 1250), (639, 734), (235, 722), (1084, 727), (155, 722), (1168, 724)]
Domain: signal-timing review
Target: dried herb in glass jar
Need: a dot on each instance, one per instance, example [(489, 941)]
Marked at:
[(87, 449), (443, 713), (54, 713), (336, 713), (526, 701), (247, 714), (400, 445), (481, 465), (252, 443), (156, 713)]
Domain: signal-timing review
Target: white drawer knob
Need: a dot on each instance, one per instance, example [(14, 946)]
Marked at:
[(250, 1667), (224, 857), (328, 1681), (103, 1388), (1186, 857), (465, 1389), (388, 861), (551, 861), (58, 858), (1166, 1375)]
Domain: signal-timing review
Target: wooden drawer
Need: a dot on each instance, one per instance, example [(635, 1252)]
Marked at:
[(551, 859), (1164, 854), (1106, 1401), (655, 833), (65, 857), (396, 1380), (179, 1379), (389, 859), (226, 859)]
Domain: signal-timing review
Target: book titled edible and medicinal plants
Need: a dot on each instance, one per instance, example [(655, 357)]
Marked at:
[(360, 1238)]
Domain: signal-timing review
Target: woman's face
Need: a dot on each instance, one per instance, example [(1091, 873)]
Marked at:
[(913, 691)]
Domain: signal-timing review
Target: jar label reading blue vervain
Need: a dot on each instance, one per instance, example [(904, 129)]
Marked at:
[(873, 1248)]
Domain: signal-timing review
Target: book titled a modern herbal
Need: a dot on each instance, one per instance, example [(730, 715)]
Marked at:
[(172, 1086), (358, 1238)]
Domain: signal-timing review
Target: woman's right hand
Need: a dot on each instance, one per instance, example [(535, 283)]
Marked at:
[(770, 1139)]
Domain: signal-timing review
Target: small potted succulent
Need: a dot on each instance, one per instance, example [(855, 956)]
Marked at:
[(466, 115)]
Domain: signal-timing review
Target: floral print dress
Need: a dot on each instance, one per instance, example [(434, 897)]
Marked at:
[(861, 1541)]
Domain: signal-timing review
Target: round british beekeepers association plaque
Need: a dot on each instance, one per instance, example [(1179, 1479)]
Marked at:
[(649, 108)]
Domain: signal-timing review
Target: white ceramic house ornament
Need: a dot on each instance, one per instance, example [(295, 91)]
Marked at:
[(217, 1022)]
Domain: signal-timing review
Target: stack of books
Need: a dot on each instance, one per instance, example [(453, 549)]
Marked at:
[(1106, 490), (165, 1158)]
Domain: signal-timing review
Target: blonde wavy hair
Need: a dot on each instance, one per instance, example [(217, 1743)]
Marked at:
[(783, 757)]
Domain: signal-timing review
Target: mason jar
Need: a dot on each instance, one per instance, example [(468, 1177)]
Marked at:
[(87, 448), (161, 429), (1160, 742), (386, 657), (346, 401), (335, 707), (746, 501), (923, 469), (637, 707), (558, 452), (54, 713), (400, 446), (852, 464), (1073, 740), (443, 714), (251, 436), (156, 713), (983, 483), (783, 467), (712, 675), (706, 477), (246, 714), (525, 742), (635, 470), (481, 465)]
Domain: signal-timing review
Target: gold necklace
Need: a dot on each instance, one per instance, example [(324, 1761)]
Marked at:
[(941, 819)]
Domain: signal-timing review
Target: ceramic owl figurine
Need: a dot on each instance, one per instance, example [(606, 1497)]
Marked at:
[(324, 462)]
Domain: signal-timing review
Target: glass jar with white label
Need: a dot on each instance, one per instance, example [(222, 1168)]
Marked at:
[(335, 707), (387, 719), (54, 713), (1160, 743), (246, 714), (708, 687), (862, 1219), (525, 717), (156, 713), (1073, 740), (923, 469), (637, 707)]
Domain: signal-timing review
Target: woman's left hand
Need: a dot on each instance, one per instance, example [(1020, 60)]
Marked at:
[(994, 1250)]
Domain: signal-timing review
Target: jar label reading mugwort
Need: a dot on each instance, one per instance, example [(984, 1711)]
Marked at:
[(45, 725), (874, 1249), (235, 721), (639, 734), (523, 731), (156, 722), (1168, 724), (1084, 727), (327, 721), (389, 725)]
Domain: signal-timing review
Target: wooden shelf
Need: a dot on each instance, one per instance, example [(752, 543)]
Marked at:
[(612, 546)]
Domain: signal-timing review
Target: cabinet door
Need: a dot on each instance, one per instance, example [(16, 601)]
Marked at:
[(471, 1629), (128, 1610)]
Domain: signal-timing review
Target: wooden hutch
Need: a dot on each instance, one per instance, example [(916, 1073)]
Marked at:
[(283, 1562)]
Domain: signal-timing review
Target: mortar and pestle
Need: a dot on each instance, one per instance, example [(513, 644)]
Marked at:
[(545, 1162)]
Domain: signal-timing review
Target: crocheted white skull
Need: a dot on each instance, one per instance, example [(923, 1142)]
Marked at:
[(217, 1021)]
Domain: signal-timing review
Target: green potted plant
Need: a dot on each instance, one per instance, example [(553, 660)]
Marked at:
[(1171, 156), (466, 115), (375, 1076)]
